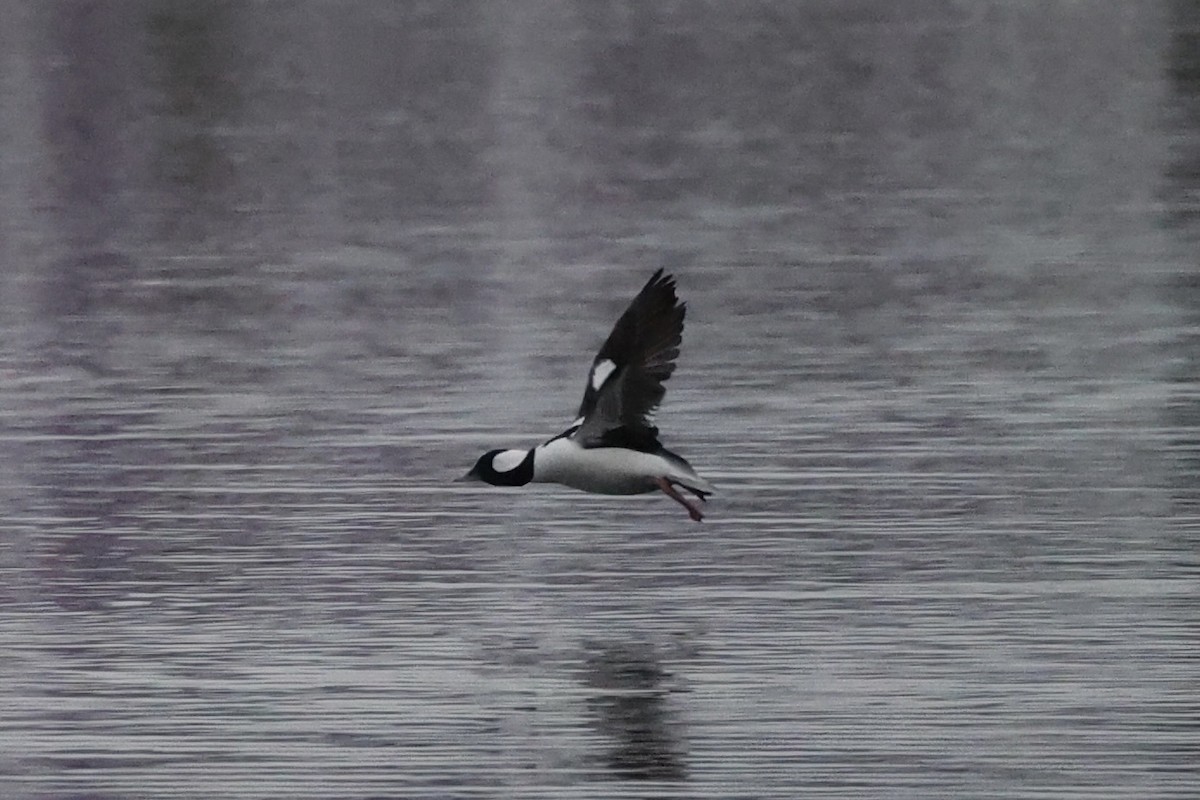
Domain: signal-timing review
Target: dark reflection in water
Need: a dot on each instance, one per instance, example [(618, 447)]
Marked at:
[(629, 693), (1182, 217), (272, 272)]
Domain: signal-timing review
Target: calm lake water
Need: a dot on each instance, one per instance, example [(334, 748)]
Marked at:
[(274, 273)]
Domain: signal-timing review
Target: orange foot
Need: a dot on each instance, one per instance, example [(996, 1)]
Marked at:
[(670, 492)]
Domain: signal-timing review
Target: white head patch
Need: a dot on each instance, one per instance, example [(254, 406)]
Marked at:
[(508, 460), (600, 373)]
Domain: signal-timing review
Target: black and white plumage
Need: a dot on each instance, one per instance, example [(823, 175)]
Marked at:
[(611, 448)]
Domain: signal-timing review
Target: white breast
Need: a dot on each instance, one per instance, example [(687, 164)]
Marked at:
[(603, 470)]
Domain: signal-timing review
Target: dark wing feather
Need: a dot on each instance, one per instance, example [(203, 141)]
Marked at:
[(625, 383)]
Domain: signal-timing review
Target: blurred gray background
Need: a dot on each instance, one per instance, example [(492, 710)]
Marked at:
[(271, 274)]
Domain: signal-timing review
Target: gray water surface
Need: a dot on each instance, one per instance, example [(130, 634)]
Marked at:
[(274, 274)]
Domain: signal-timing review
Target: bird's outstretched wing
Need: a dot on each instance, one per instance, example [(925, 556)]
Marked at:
[(625, 383)]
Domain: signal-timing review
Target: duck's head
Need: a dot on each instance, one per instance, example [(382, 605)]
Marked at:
[(502, 468)]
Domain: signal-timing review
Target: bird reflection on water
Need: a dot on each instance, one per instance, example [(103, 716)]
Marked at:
[(629, 702)]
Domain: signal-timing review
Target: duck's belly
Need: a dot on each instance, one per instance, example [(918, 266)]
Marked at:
[(604, 470)]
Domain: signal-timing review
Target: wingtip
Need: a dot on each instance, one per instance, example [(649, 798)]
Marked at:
[(661, 277), (662, 284)]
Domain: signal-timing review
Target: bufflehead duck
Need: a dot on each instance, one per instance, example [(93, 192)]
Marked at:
[(611, 448)]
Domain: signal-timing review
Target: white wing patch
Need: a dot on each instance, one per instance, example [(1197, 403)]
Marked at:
[(600, 373), (508, 460)]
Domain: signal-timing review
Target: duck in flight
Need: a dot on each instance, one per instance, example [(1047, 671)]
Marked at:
[(611, 448)]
